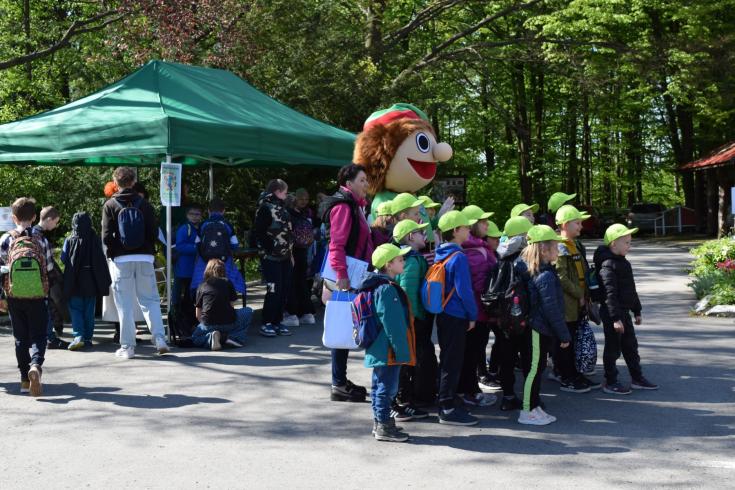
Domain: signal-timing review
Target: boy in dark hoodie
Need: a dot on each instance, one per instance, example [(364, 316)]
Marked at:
[(458, 315), (621, 298), (86, 276), (395, 346)]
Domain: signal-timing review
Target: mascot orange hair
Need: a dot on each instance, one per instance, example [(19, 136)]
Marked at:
[(399, 150)]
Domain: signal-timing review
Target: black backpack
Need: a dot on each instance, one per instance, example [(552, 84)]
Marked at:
[(507, 298), (131, 223), (215, 241)]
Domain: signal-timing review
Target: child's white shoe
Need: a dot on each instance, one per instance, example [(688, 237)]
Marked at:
[(534, 417)]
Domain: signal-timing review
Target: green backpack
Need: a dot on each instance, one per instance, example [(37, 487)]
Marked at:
[(27, 277)]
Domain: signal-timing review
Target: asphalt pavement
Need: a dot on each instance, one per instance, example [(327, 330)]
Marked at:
[(260, 416)]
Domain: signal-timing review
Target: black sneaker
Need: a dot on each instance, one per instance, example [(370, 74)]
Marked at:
[(404, 413), (509, 404), (616, 388), (57, 344), (346, 394), (360, 389), (594, 385), (643, 384), (490, 382), (575, 386), (389, 433), (456, 416)]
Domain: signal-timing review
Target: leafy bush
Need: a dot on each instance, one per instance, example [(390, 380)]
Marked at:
[(713, 271)]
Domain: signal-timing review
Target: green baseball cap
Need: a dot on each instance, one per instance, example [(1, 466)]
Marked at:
[(543, 233), (476, 212), (454, 219), (521, 208), (405, 227), (493, 230), (385, 208), (558, 199), (517, 225), (387, 252), (616, 231), (428, 202), (403, 201), (569, 213)]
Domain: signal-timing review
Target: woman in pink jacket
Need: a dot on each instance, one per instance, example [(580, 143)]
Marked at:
[(482, 260), (348, 234)]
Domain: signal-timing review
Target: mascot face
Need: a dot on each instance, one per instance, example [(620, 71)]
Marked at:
[(414, 164), (399, 151)]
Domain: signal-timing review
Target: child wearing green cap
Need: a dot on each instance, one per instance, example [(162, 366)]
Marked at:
[(621, 299), (395, 346), (481, 259), (459, 315), (525, 210), (572, 268), (488, 371), (546, 317), (382, 228), (417, 384), (406, 206), (509, 347)]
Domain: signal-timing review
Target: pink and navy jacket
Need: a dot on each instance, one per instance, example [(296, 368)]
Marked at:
[(342, 217), (482, 260)]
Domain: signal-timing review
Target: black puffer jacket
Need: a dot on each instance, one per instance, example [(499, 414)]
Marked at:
[(617, 283)]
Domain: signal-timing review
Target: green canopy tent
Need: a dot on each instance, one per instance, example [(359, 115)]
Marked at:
[(173, 112)]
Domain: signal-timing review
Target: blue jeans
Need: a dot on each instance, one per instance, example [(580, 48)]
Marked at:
[(81, 310), (202, 335), (385, 387)]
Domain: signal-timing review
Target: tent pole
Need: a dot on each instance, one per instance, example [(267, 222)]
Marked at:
[(211, 181), (168, 264)]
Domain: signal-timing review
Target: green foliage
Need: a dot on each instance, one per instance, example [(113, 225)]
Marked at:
[(707, 277)]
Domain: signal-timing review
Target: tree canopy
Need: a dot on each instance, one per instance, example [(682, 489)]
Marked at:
[(600, 97)]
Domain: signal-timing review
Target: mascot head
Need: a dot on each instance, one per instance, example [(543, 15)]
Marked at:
[(399, 150)]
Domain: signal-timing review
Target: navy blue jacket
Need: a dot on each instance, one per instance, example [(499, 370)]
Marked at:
[(547, 302)]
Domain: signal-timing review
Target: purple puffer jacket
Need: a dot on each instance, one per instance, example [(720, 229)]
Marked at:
[(482, 260)]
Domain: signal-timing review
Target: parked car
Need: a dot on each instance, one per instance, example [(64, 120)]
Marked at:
[(644, 215), (591, 227), (610, 216)]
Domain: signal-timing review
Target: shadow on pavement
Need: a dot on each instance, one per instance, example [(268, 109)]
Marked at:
[(70, 392), (489, 443)]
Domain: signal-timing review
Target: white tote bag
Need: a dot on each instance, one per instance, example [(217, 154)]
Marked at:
[(338, 322)]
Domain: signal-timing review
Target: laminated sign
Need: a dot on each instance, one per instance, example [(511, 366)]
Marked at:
[(171, 184)]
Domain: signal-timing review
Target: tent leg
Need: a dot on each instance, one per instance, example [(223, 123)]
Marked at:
[(211, 182), (168, 266)]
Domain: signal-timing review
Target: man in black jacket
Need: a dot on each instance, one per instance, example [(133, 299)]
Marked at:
[(129, 231), (621, 298)]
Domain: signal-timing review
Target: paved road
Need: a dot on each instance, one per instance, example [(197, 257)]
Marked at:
[(260, 417)]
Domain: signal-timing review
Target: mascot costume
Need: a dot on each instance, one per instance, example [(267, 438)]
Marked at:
[(398, 148)]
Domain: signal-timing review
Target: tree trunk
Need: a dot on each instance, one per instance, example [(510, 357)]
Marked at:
[(522, 130), (27, 33), (573, 170), (537, 84), (374, 34), (586, 149), (486, 124)]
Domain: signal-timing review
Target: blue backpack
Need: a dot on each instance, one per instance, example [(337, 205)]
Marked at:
[(365, 325), (131, 224)]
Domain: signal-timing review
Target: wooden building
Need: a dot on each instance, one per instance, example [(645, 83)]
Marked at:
[(714, 176)]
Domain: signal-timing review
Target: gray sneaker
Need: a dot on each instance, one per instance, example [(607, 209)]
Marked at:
[(389, 433)]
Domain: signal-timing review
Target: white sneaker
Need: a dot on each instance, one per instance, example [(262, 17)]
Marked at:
[(290, 321), (543, 412), (534, 417), (214, 343), (161, 345), (307, 319), (126, 352)]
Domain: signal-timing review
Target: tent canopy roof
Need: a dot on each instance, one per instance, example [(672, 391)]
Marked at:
[(197, 115)]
